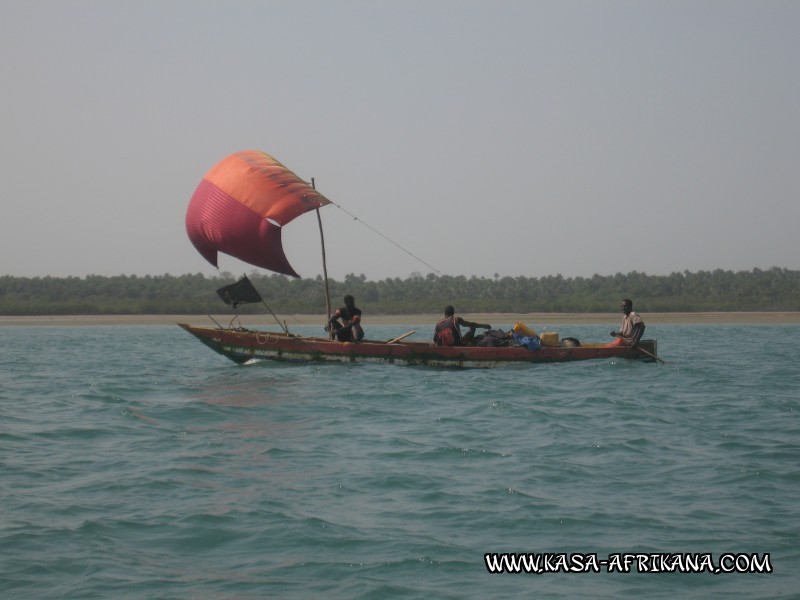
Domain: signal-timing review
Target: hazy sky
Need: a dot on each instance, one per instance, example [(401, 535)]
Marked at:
[(510, 137)]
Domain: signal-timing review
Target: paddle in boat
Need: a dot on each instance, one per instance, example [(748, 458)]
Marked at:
[(240, 208)]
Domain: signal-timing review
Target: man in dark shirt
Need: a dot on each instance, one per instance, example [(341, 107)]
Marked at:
[(345, 323)]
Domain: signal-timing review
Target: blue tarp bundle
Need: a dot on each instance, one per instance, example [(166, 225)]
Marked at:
[(530, 342)]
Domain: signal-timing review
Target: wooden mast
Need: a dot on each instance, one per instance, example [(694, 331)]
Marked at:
[(324, 264)]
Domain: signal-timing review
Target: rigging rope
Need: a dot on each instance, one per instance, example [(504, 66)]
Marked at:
[(368, 226)]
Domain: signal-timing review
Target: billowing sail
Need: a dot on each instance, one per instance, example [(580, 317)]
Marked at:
[(241, 205)]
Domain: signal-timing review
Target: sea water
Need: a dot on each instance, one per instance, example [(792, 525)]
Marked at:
[(137, 463)]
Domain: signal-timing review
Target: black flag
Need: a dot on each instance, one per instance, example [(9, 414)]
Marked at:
[(238, 293)]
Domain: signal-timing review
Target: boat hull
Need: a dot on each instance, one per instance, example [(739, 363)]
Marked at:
[(244, 345)]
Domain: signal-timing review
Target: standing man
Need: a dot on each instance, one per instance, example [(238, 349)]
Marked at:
[(631, 329)]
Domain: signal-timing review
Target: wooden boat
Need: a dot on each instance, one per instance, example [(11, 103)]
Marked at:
[(245, 345), (240, 208)]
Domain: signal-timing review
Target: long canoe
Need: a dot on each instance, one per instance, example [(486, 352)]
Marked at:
[(245, 345)]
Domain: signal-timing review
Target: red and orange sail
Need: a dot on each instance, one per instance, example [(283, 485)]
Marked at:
[(241, 205)]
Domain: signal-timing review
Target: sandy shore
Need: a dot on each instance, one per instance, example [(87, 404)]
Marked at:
[(532, 319)]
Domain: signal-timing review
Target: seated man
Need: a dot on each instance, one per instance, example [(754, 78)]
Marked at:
[(448, 332), (631, 329), (349, 329)]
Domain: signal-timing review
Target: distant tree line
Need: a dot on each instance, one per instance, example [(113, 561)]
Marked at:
[(773, 289)]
